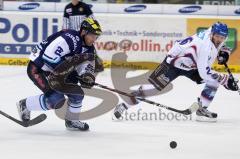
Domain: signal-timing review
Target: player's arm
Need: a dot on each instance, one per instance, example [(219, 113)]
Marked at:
[(66, 20), (58, 76), (86, 73), (206, 72), (55, 51)]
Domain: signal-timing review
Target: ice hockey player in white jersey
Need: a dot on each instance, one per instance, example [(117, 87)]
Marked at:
[(193, 58), (56, 66)]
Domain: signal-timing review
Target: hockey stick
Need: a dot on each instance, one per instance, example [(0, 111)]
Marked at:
[(231, 76), (32, 122), (194, 107)]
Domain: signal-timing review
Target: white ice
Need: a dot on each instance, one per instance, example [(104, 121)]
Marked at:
[(110, 139)]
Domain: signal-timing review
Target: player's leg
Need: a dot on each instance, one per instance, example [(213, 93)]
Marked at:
[(74, 103), (159, 79), (42, 102), (72, 121), (48, 100), (206, 97), (163, 75)]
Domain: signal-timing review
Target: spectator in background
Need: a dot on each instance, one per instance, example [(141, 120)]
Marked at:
[(74, 14)]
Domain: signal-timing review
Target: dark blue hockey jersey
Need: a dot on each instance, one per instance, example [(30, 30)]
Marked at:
[(57, 47)]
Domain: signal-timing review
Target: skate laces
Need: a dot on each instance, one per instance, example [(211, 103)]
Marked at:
[(78, 123), (121, 108), (206, 111)]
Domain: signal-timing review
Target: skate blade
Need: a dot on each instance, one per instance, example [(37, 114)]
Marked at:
[(76, 129), (205, 119)]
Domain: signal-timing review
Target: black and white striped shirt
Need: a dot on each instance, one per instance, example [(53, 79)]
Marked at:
[(74, 15)]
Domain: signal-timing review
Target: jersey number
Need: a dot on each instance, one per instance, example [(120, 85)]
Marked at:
[(59, 51), (187, 40), (208, 70)]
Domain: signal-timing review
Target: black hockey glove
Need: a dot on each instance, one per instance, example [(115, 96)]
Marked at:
[(87, 80), (223, 55), (231, 84)]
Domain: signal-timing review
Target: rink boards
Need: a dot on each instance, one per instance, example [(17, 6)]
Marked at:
[(138, 41)]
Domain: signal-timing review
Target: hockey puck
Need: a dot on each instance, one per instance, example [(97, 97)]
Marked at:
[(173, 144)]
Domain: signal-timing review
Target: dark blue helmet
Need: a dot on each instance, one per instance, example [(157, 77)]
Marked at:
[(220, 28)]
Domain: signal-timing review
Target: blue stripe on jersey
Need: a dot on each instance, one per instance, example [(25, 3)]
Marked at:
[(42, 104), (50, 59)]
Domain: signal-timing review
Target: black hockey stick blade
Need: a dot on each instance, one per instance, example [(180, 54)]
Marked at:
[(36, 120), (32, 122)]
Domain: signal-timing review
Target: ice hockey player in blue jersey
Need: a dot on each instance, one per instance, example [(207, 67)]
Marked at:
[(57, 66)]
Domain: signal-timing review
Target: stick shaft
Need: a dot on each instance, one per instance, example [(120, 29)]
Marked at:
[(187, 111)]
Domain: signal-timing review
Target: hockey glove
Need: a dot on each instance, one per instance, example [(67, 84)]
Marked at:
[(231, 84), (223, 55), (228, 82), (225, 80), (87, 80)]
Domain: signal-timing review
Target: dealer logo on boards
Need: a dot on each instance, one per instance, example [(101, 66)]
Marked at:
[(190, 9), (22, 37), (135, 8), (28, 6)]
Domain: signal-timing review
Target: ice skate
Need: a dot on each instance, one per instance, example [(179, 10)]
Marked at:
[(23, 112)]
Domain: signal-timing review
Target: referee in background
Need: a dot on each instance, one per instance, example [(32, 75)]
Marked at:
[(74, 14)]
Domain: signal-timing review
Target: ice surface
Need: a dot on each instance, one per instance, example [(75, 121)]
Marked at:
[(110, 139)]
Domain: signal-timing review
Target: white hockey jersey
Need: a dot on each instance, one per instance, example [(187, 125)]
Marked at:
[(195, 52)]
